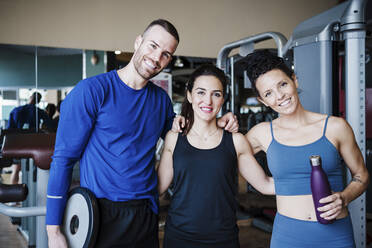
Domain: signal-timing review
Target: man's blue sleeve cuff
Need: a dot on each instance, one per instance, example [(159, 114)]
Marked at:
[(55, 210)]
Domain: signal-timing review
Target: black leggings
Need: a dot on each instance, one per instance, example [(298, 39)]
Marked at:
[(129, 224)]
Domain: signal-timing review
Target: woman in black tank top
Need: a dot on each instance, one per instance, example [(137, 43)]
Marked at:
[(202, 162)]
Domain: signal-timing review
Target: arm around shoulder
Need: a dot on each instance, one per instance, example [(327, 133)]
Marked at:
[(165, 170), (256, 136), (249, 167)]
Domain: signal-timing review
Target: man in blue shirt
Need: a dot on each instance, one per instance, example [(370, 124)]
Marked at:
[(111, 123), (26, 117)]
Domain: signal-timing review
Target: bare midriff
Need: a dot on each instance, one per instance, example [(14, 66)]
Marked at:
[(300, 207)]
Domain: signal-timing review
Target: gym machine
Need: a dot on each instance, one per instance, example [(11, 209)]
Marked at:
[(317, 45), (32, 193), (81, 219), (338, 30)]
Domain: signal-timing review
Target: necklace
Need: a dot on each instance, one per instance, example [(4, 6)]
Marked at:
[(205, 137)]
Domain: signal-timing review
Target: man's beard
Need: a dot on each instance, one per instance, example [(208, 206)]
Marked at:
[(145, 75)]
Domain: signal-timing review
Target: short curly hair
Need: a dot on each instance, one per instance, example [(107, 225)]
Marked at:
[(262, 61)]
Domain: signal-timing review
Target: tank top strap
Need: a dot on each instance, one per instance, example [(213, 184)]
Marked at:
[(180, 136), (271, 130), (181, 142), (226, 138), (325, 125), (228, 143)]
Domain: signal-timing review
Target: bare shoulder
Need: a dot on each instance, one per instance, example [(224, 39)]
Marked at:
[(339, 130), (259, 137), (337, 125), (260, 127), (260, 130)]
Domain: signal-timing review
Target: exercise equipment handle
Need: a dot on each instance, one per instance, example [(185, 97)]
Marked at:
[(13, 193), (279, 39), (5, 162), (22, 212)]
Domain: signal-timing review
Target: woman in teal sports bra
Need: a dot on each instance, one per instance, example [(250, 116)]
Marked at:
[(289, 141)]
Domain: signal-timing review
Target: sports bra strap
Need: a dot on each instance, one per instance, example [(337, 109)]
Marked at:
[(271, 128), (324, 129), (325, 125)]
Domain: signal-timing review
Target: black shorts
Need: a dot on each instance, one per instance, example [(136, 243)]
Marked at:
[(129, 224), (172, 240)]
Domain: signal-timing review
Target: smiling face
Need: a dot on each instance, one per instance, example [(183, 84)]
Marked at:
[(153, 51), (206, 97), (278, 91)]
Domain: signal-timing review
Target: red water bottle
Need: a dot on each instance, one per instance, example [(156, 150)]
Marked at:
[(319, 186)]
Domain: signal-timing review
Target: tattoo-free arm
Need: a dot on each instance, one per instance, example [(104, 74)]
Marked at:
[(249, 167), (165, 170), (252, 137)]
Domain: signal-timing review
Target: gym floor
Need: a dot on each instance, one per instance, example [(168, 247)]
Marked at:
[(9, 236)]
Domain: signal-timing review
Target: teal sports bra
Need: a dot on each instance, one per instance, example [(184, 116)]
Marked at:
[(291, 168)]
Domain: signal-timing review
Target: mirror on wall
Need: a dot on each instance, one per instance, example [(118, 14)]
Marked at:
[(24, 70), (53, 72)]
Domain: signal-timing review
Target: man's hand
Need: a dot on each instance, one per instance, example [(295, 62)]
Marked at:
[(178, 124), (229, 122), (55, 237)]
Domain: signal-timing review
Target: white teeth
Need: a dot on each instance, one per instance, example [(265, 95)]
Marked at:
[(207, 109), (150, 64), (284, 103)]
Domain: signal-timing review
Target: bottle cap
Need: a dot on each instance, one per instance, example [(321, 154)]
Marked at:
[(315, 160)]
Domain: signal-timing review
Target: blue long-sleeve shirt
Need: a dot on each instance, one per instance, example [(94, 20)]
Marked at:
[(113, 130)]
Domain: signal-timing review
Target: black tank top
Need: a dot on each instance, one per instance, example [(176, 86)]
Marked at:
[(203, 206)]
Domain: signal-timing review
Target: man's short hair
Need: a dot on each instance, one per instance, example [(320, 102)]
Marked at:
[(36, 97), (169, 27)]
